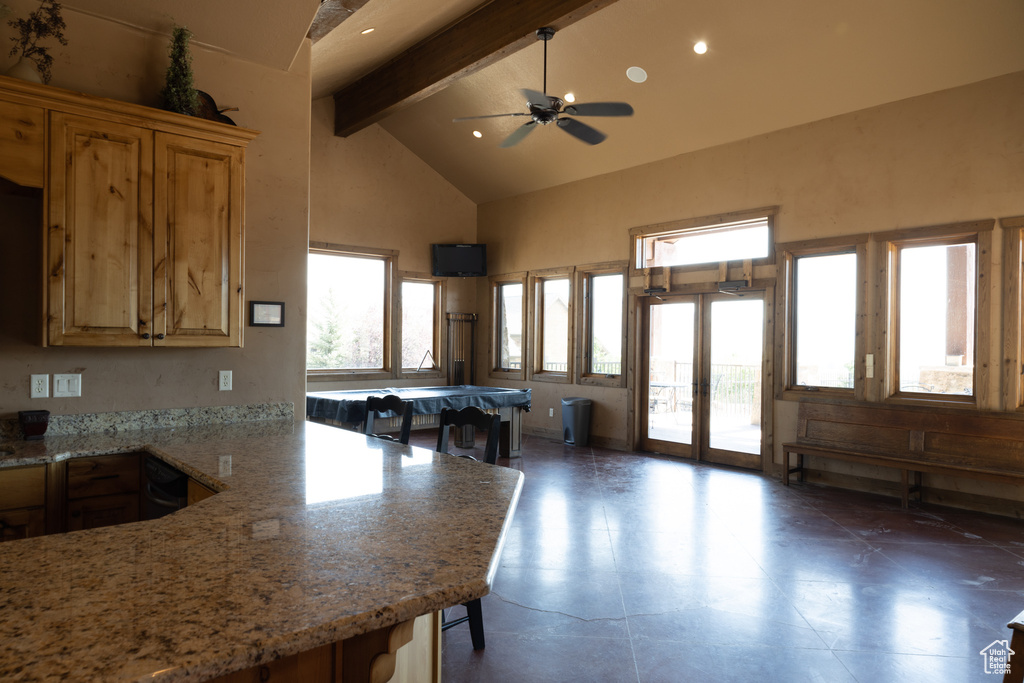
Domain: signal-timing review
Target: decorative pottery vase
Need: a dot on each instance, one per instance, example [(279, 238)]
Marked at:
[(26, 70), (34, 423)]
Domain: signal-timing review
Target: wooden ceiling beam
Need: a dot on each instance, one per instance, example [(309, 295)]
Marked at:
[(330, 15), (490, 33)]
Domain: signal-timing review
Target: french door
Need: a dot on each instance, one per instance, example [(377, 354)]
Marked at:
[(703, 357)]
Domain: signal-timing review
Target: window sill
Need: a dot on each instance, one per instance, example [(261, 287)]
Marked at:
[(614, 381), (553, 377), (345, 375)]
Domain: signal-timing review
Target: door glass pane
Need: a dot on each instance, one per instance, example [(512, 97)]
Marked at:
[(936, 318), (555, 326), (735, 382), (418, 325), (605, 325), (510, 326), (670, 399), (826, 313)]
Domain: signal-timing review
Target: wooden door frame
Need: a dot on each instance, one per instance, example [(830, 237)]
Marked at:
[(636, 399)]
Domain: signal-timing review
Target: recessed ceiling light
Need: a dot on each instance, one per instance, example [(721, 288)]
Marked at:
[(367, 30), (700, 47), (636, 74), (569, 97), (477, 134)]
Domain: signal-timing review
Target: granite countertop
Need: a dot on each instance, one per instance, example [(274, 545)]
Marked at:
[(316, 535)]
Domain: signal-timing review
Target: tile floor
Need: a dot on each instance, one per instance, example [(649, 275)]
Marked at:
[(638, 568)]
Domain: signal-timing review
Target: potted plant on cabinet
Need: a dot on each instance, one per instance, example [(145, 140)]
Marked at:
[(35, 60), (179, 93)]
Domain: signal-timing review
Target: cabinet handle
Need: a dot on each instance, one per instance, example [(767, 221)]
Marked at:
[(145, 335), (160, 336), (264, 673)]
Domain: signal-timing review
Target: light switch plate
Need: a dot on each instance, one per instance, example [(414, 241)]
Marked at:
[(67, 386), (40, 386)]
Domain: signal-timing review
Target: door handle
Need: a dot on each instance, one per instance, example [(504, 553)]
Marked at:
[(705, 387)]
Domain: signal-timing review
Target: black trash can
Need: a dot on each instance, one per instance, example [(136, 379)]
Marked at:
[(575, 420)]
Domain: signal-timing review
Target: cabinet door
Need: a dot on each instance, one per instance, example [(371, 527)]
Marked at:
[(99, 223), (100, 511), (198, 249), (24, 523)]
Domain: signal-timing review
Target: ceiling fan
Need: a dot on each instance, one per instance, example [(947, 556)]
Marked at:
[(545, 109)]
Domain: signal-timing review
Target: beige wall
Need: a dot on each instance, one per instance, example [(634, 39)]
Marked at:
[(368, 190), (940, 158), (115, 61)]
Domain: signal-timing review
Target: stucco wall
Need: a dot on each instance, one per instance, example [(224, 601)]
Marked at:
[(940, 158), (368, 190), (112, 60)]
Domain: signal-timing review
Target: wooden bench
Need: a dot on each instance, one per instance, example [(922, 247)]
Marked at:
[(962, 443)]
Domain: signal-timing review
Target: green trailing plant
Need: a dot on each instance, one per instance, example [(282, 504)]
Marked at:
[(179, 93), (45, 22)]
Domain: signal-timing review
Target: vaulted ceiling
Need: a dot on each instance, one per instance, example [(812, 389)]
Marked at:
[(769, 65)]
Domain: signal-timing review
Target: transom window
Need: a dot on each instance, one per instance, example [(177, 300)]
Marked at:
[(730, 241)]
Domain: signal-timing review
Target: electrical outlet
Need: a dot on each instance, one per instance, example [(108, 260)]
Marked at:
[(40, 385), (67, 386), (551, 412), (224, 381)]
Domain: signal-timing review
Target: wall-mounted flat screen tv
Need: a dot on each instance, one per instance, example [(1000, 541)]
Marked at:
[(459, 260)]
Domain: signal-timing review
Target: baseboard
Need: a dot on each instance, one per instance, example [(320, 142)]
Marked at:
[(593, 440)]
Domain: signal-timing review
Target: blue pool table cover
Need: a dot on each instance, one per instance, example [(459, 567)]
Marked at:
[(350, 406)]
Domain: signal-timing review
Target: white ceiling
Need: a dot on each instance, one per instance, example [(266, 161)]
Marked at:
[(770, 65)]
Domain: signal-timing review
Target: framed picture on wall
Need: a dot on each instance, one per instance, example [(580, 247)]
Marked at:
[(266, 314)]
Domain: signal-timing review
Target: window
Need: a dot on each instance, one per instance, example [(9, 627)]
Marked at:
[(602, 322), (552, 325), (936, 334), (421, 303), (824, 320), (711, 240), (349, 310), (508, 320), (935, 312)]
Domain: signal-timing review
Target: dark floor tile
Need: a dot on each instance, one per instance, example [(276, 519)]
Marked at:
[(537, 659), (849, 561), (907, 526), (891, 619), (733, 661), (1001, 531), (980, 566), (701, 609), (582, 595), (869, 667), (683, 552), (558, 547)]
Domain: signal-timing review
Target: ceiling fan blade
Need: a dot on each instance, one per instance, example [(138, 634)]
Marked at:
[(599, 109), (518, 134), (537, 99), (591, 136), (488, 116)]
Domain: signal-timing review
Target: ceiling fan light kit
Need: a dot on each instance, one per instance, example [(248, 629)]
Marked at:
[(545, 109)]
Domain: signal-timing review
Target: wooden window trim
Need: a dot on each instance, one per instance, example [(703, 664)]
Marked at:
[(535, 319), (389, 257), (890, 243), (584, 274), (1012, 394), (786, 256), (638, 234), (440, 326), (493, 350)]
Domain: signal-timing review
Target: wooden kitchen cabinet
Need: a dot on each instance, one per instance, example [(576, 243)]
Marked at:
[(145, 237), (102, 491), (22, 502), (144, 217)]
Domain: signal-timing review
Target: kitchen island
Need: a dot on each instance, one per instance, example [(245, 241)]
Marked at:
[(316, 535)]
